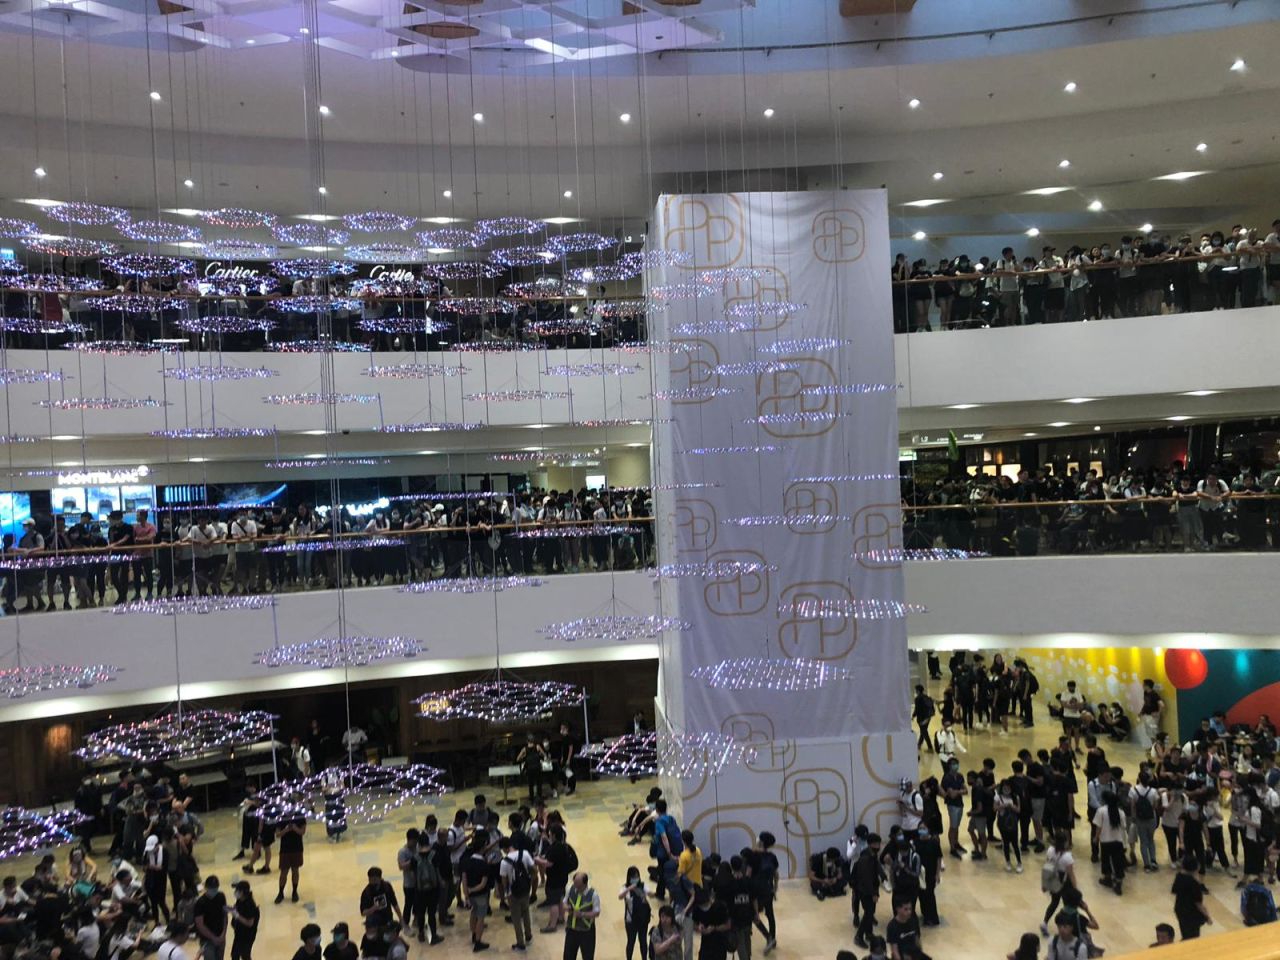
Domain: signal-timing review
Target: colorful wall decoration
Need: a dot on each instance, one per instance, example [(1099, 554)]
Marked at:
[(1244, 683)]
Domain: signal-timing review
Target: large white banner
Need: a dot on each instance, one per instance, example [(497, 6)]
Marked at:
[(767, 454)]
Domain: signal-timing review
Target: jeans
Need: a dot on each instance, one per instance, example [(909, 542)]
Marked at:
[(1191, 528), (1147, 841)]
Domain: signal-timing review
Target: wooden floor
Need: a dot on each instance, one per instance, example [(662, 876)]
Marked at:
[(984, 909)]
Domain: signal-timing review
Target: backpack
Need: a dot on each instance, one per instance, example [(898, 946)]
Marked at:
[(1142, 807), (1258, 906), (1050, 878), (1053, 947), (1033, 685), (521, 882), (674, 840), (571, 860)]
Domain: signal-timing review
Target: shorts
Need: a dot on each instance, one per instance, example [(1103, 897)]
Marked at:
[(289, 859), (555, 891), (1070, 724), (1037, 809), (978, 824), (955, 813), (480, 905)]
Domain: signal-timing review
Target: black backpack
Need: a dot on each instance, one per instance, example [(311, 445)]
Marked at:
[(1142, 807), (641, 912), (521, 882), (572, 861)]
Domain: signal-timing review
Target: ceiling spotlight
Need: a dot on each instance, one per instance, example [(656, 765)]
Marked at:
[(1033, 231), (929, 202), (1063, 164), (919, 235), (1201, 393), (964, 406), (304, 31), (1095, 205), (251, 41), (446, 194), (155, 95), (1179, 418), (1060, 423), (768, 112), (322, 191), (1031, 434), (324, 111), (1045, 191), (1070, 87), (395, 53), (189, 183), (568, 194), (40, 172), (937, 175), (1146, 228), (478, 117), (624, 118), (1078, 400), (1201, 147), (913, 103), (1181, 175), (1096, 428), (1238, 66)]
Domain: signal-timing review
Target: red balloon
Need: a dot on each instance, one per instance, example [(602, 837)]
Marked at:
[(1186, 669)]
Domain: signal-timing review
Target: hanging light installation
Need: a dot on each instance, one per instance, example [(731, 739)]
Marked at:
[(101, 403), (377, 221), (317, 399), (154, 266), (51, 328), (413, 371), (592, 370), (495, 227), (216, 372), (516, 396), (563, 245), (863, 608), (307, 268), (319, 346), (773, 674), (239, 248), (17, 228), (197, 606), (135, 303), (383, 253), (450, 238), (159, 231), (356, 793), (619, 627), (177, 735), (77, 248), (470, 584), (214, 433), (238, 218), (428, 426), (22, 680), (15, 375), (24, 831), (328, 653), (500, 700), (671, 754), (223, 324), (462, 270), (315, 304), (310, 235), (87, 214)]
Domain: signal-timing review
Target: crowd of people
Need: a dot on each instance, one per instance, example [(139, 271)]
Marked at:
[(1040, 511), (245, 550), (1141, 275)]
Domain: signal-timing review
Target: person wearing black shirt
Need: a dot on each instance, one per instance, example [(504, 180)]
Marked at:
[(119, 539), (566, 752), (244, 922), (341, 948), (712, 922), (903, 932), (1036, 794), (557, 866), (373, 944), (378, 900), (475, 887), (310, 949), (929, 850), (826, 874), (211, 919), (922, 712), (864, 878), (742, 908), (290, 857), (1188, 899)]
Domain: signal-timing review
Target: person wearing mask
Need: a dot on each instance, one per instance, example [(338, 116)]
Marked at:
[(211, 920), (1008, 809), (1188, 899), (582, 910), (341, 947), (929, 850), (1112, 831), (1077, 297), (290, 855), (922, 712), (310, 949), (1007, 269), (764, 879), (636, 913), (515, 872), (144, 536), (244, 921), (864, 878), (1058, 873), (1212, 494), (475, 887)]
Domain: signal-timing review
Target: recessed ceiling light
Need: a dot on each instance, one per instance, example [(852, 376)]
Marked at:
[(768, 112), (1179, 418), (1033, 231), (427, 453), (1201, 147), (1095, 205), (313, 433), (964, 406), (1031, 434), (1146, 228), (40, 172), (65, 436), (1044, 191), (189, 245), (70, 463), (446, 194), (536, 426), (304, 31), (322, 191), (938, 174), (317, 217), (1201, 393), (919, 235), (439, 251), (197, 459), (1060, 423), (41, 202), (189, 183), (561, 221), (395, 53), (442, 220), (1064, 163), (155, 95), (317, 249), (324, 111), (313, 456), (183, 211), (1078, 400), (1070, 87), (568, 194), (1182, 175), (624, 118), (913, 103), (925, 203), (478, 117), (1238, 65)]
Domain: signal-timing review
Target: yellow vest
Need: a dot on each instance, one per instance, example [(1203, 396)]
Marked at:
[(581, 901)]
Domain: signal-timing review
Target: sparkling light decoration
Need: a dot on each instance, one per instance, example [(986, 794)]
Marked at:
[(614, 627), (11, 267), (214, 433), (17, 228), (74, 247), (689, 485), (673, 754), (563, 327), (239, 248), (618, 422), (378, 221), (540, 288), (712, 569), (719, 276), (743, 448), (149, 265), (305, 268), (757, 309), (763, 673), (101, 403), (171, 735), (317, 399), (430, 426), (521, 256), (607, 309), (327, 653), (39, 325), (197, 606), (449, 238), (470, 584), (918, 555), (572, 531), (56, 561), (315, 304), (849, 389), (24, 831), (543, 456), (495, 346), (500, 700), (462, 270), (17, 682), (315, 462), (805, 345), (591, 370), (367, 793), (703, 326), (87, 214), (237, 286), (18, 438), (49, 282), (752, 368), (568, 243), (474, 306), (651, 259), (383, 253), (159, 231), (328, 546), (516, 396), (395, 287), (401, 325), (787, 520), (134, 303), (692, 393), (215, 372), (848, 478), (319, 346), (13, 375), (866, 608), (682, 290), (414, 371), (238, 218), (656, 346), (115, 348), (795, 416), (310, 235), (506, 227), (225, 324), (600, 273)]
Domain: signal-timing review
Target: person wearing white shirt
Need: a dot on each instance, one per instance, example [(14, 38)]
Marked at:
[(1055, 284), (1113, 831), (242, 532), (911, 805), (1272, 245), (516, 871), (948, 743), (1077, 285), (1007, 269), (1212, 495), (174, 947), (1249, 259)]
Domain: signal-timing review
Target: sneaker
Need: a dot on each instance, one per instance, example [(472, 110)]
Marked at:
[(770, 945), (436, 941), (1008, 868), (1044, 929), (239, 856), (263, 871), (280, 897), (294, 898), (1018, 868), (518, 946)]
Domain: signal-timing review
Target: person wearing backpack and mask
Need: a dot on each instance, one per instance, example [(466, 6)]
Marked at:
[(637, 913), (1144, 808), (1065, 944), (515, 871)]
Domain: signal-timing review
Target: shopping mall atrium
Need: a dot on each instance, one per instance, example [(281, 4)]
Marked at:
[(424, 421)]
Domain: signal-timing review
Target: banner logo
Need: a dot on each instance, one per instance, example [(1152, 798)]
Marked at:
[(839, 236)]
